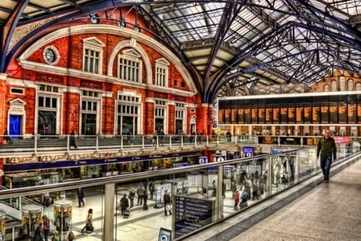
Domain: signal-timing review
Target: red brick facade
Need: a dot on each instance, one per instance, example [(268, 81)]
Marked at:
[(29, 71)]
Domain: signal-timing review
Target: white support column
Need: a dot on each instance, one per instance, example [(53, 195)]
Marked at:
[(219, 194), (269, 176), (109, 195)]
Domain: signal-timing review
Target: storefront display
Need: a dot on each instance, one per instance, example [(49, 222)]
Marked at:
[(284, 115), (254, 115), (291, 114), (276, 115), (31, 218), (299, 114), (307, 114), (261, 115), (62, 218), (269, 115), (247, 115), (342, 112), (324, 113), (227, 116), (234, 116), (316, 114), (351, 112), (240, 116)]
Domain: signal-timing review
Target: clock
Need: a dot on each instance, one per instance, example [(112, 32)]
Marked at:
[(94, 18), (51, 55)]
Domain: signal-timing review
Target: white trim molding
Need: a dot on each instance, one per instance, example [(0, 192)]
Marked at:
[(17, 107), (114, 30)]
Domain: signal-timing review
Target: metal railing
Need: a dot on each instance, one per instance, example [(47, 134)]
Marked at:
[(37, 143)]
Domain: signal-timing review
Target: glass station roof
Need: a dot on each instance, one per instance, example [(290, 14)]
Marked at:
[(265, 42)]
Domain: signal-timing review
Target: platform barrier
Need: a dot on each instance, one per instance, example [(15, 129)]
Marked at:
[(69, 143)]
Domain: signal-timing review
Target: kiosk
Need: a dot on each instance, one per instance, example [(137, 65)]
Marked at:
[(62, 218), (31, 217)]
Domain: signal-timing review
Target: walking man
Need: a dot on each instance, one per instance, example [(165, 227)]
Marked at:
[(81, 197), (167, 203), (326, 149)]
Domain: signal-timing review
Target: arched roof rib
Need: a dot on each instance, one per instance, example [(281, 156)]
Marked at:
[(268, 41)]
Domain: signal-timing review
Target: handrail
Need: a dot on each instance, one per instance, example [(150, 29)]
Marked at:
[(122, 178)]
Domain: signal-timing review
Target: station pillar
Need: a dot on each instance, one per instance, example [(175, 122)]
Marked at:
[(109, 201), (204, 119)]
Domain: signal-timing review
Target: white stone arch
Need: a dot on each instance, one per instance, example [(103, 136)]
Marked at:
[(134, 45), (114, 30)]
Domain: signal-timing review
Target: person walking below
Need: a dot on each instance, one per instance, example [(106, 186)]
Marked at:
[(81, 197), (326, 149), (140, 195), (124, 204), (46, 227), (151, 190), (167, 202), (88, 228), (131, 197)]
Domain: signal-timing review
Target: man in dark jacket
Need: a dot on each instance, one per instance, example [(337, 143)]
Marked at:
[(124, 204), (167, 202), (326, 149)]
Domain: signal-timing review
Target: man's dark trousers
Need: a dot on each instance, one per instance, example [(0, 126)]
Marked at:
[(326, 162)]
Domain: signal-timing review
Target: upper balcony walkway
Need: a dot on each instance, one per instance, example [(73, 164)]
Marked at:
[(61, 144), (330, 212)]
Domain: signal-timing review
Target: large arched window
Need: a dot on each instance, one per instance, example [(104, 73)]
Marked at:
[(130, 66)]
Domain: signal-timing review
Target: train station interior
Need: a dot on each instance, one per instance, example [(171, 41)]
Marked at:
[(169, 120)]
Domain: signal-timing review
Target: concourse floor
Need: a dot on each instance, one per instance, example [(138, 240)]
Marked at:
[(330, 212)]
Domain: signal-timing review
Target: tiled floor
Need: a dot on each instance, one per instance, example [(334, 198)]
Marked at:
[(331, 212)]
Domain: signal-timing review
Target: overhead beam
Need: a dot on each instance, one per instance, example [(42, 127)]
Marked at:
[(7, 31), (174, 43), (230, 12)]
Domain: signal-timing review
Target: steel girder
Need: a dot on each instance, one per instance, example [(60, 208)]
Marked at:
[(230, 12), (175, 45), (258, 46), (7, 31)]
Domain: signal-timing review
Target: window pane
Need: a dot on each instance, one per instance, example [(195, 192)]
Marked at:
[(54, 102), (41, 101), (47, 102)]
